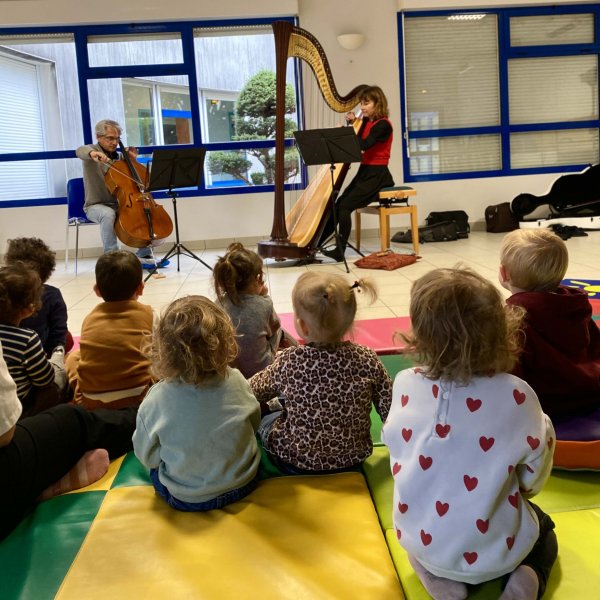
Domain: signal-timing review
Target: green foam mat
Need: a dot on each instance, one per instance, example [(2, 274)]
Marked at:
[(36, 556)]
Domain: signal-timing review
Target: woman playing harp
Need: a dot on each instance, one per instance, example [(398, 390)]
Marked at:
[(297, 235)]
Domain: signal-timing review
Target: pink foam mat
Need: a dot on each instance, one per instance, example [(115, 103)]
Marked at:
[(378, 334)]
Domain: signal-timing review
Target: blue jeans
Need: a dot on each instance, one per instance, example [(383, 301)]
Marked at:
[(105, 215), (218, 502)]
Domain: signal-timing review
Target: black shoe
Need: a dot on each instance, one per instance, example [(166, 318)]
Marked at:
[(335, 253)]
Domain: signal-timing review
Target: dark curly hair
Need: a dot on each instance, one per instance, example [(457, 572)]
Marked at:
[(35, 253), (20, 288)]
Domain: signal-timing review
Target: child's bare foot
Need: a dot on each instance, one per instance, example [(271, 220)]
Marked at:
[(88, 469), (439, 588), (523, 584)]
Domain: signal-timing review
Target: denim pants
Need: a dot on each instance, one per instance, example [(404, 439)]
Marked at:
[(105, 215)]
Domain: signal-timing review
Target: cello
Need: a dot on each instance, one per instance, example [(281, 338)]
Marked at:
[(140, 220)]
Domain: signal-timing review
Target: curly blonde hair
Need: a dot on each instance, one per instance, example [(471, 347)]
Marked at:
[(234, 272), (327, 302), (460, 326), (194, 340), (535, 260)]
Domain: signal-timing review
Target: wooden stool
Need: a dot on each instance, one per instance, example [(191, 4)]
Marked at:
[(385, 208)]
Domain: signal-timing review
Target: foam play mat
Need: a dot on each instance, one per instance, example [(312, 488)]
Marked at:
[(299, 538)]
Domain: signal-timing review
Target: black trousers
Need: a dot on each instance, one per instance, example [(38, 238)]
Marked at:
[(542, 556), (361, 191), (48, 445)]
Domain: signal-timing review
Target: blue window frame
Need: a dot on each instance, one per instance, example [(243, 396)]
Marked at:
[(93, 71), (516, 94)]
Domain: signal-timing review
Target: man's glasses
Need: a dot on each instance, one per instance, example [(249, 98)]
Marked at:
[(110, 138)]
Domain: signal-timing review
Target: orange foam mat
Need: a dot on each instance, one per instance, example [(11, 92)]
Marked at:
[(293, 537)]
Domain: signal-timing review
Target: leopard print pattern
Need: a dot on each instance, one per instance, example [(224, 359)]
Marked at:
[(327, 392)]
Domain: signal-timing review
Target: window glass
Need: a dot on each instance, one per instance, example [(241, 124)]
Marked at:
[(455, 78), (129, 50), (552, 89), (554, 148), (547, 30), (252, 166), (456, 154), (152, 112)]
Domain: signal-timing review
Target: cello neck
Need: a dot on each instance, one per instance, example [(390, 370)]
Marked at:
[(134, 174)]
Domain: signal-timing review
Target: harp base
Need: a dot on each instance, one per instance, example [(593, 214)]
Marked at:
[(282, 249)]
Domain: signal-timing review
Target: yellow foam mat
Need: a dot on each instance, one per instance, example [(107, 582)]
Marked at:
[(292, 538)]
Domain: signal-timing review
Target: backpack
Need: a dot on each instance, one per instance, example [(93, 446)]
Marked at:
[(499, 218), (460, 217), (446, 231)]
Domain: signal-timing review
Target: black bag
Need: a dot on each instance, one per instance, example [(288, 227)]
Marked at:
[(446, 231), (460, 217), (499, 218)]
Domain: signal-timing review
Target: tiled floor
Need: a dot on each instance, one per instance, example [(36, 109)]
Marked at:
[(480, 252)]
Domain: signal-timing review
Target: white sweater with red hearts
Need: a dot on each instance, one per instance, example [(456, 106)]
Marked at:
[(463, 460)]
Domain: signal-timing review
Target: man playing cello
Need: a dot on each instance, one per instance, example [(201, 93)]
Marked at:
[(100, 206)]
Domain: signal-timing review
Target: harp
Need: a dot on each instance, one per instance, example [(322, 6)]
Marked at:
[(296, 235)]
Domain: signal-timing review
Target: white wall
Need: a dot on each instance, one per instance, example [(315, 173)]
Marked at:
[(250, 215)]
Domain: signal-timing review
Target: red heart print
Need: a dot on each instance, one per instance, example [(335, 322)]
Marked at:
[(404, 399), (473, 404), (510, 541), (470, 482), (442, 430), (482, 525), (425, 462), (398, 533), (533, 442), (442, 508), (470, 557), (435, 389), (519, 396), (510, 469), (406, 434), (396, 469), (514, 499), (486, 443), (425, 538), (402, 507)]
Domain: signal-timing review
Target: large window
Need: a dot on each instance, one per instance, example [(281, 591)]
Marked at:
[(500, 92), (173, 86)]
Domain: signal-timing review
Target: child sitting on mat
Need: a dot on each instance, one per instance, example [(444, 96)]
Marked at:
[(196, 427), (41, 382), (241, 291), (468, 445), (110, 369), (561, 347), (326, 387), (50, 321), (62, 449)]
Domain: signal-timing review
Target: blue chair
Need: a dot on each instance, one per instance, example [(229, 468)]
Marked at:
[(75, 215)]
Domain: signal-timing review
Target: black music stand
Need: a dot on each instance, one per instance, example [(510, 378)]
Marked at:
[(176, 169), (330, 146)]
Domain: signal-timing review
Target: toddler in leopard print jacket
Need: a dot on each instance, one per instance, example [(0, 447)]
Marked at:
[(469, 444), (327, 387)]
